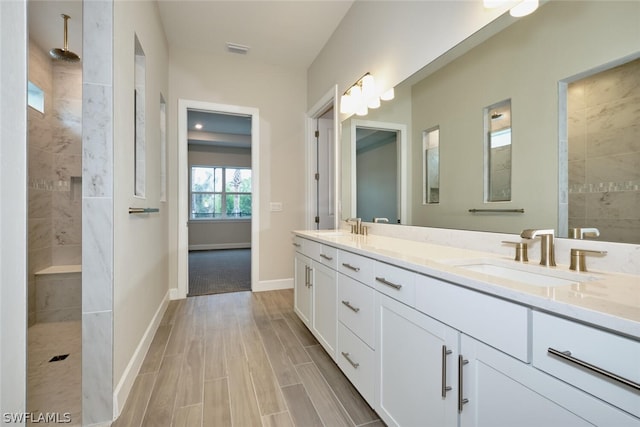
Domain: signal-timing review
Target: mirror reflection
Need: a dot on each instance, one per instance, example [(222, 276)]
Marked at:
[(497, 119), (528, 62), (431, 165)]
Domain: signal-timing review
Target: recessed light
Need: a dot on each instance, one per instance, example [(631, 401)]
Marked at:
[(198, 126)]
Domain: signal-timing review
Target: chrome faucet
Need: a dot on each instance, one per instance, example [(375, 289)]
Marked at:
[(377, 219), (547, 254), (581, 233)]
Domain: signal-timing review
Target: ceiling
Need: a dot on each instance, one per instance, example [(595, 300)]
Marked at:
[(284, 33)]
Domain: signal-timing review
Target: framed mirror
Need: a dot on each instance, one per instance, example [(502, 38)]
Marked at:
[(528, 62)]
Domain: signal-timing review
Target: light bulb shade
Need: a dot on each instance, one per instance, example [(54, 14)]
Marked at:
[(346, 104), (524, 8), (373, 102), (362, 110), (388, 95), (368, 87)]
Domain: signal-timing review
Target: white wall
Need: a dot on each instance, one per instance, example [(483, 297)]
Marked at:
[(279, 94), (392, 40), (13, 207), (141, 280)]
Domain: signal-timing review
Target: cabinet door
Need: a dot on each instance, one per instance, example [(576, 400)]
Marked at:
[(415, 384), (302, 290), (503, 391), (325, 309)]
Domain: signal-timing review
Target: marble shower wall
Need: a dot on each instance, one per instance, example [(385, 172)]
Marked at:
[(55, 167), (604, 153)]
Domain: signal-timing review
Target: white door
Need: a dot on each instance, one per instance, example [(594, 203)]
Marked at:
[(502, 391), (416, 384), (325, 318), (302, 280), (325, 168)]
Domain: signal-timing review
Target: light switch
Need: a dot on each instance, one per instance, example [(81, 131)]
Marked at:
[(275, 206)]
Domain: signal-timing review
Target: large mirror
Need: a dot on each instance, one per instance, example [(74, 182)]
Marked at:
[(569, 167)]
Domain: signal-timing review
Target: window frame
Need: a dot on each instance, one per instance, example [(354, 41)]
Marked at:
[(224, 193)]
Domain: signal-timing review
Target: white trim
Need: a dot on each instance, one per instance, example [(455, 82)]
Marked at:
[(214, 246), (329, 99), (273, 285), (183, 189), (402, 166), (122, 390)]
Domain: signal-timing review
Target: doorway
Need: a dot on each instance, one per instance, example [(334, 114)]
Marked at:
[(218, 193)]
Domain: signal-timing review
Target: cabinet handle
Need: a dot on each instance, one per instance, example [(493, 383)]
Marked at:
[(297, 245), (306, 276), (566, 355), (388, 283), (346, 356), (327, 257), (351, 267), (348, 304), (310, 276), (445, 387), (461, 399)]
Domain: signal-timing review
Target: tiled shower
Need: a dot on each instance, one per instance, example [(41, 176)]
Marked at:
[(55, 237)]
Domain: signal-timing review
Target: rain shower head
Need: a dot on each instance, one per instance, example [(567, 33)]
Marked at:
[(64, 54)]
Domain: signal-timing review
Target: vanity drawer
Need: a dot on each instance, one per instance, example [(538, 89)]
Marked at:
[(356, 308), (357, 361), (356, 266), (499, 323), (618, 355), (328, 256), (396, 282)]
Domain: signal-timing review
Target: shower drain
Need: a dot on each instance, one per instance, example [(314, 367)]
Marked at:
[(59, 357)]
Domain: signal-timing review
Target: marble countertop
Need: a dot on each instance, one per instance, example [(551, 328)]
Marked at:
[(604, 299)]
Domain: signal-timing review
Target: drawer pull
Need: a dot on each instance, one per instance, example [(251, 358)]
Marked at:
[(297, 245), (388, 283), (445, 387), (347, 356), (461, 400), (566, 355), (348, 304), (327, 257), (350, 267)]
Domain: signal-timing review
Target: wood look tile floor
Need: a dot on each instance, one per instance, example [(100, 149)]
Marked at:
[(240, 359)]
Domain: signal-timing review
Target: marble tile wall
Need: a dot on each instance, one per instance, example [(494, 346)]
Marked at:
[(97, 210), (604, 153), (55, 148)]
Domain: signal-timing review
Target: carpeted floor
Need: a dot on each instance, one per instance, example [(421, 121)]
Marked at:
[(219, 271)]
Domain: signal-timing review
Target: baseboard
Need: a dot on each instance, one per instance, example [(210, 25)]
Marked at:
[(125, 384), (213, 246), (273, 285), (173, 294)]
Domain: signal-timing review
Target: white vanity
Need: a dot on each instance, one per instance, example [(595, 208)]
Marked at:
[(431, 339)]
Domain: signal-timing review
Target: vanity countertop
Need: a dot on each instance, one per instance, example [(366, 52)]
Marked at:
[(607, 300)]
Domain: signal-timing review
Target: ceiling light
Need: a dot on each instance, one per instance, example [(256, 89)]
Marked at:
[(198, 126), (524, 8), (237, 48), (363, 95)]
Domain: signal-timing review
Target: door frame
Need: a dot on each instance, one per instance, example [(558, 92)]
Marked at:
[(403, 191), (183, 187), (328, 100)]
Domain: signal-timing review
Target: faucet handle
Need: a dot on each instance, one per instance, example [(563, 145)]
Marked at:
[(521, 250), (578, 259), (581, 233), (530, 233)]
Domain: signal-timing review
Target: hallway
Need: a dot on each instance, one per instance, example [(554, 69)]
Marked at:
[(240, 359)]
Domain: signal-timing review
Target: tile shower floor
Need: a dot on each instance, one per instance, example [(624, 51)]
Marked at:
[(54, 388)]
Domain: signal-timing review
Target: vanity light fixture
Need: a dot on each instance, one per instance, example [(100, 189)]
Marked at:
[(520, 7), (363, 95)]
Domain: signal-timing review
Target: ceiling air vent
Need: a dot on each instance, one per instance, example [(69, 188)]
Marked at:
[(237, 48)]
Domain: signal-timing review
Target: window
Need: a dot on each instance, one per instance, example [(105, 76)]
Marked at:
[(35, 97), (220, 192)]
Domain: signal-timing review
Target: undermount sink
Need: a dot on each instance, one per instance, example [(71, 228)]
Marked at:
[(525, 273)]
